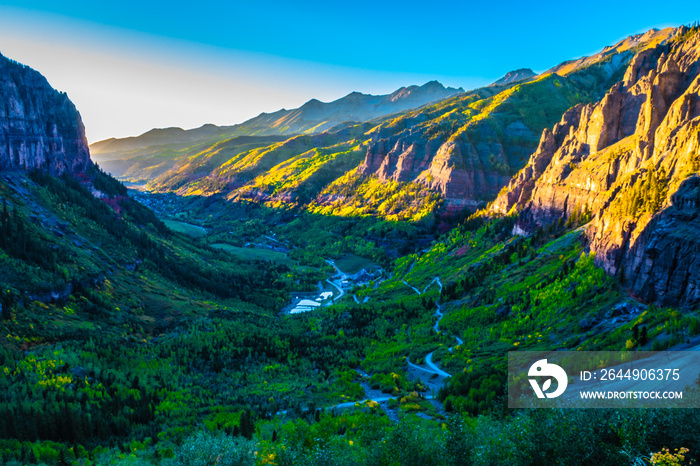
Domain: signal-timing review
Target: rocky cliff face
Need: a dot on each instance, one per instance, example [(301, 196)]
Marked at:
[(39, 126), (469, 152), (621, 159), (465, 170), (661, 264)]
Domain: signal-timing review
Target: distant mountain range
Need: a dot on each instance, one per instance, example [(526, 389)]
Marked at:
[(312, 117)]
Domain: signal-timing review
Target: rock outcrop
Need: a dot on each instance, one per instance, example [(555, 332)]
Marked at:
[(621, 159), (39, 126), (465, 168)]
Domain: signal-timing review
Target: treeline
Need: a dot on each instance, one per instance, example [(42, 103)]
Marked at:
[(70, 191), (106, 184), (115, 391)]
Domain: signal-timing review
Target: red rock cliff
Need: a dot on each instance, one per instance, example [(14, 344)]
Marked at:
[(622, 159)]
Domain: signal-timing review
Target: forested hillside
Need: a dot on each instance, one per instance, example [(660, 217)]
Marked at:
[(164, 327)]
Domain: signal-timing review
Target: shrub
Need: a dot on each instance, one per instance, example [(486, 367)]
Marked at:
[(204, 448)]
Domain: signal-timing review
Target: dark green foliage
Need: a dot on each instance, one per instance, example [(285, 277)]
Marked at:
[(20, 239), (459, 442), (232, 367), (106, 184), (407, 445), (476, 390), (247, 427), (694, 326), (204, 449), (647, 194)]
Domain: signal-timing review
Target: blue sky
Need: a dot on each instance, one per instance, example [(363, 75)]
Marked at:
[(133, 65)]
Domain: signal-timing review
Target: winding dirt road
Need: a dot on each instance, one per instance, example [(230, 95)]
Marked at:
[(341, 292), (434, 369)]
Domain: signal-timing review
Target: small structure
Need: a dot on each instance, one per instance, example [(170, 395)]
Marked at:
[(304, 305), (363, 276), (305, 301), (304, 295)]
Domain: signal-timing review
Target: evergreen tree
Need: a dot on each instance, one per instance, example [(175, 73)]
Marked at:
[(62, 458), (247, 426)]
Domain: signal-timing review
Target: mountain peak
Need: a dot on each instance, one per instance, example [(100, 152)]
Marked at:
[(430, 91), (434, 84), (515, 76), (312, 103), (161, 131)]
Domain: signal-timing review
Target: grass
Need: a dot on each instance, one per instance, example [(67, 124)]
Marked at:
[(259, 254), (352, 264), (186, 228)]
